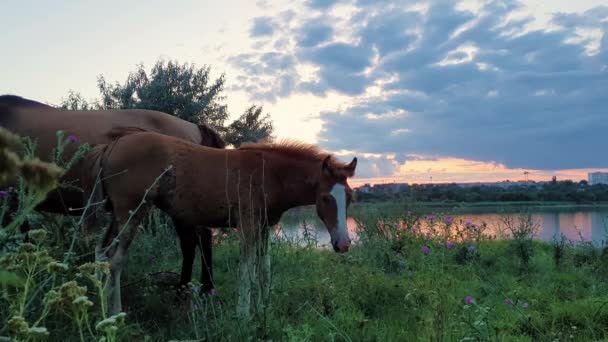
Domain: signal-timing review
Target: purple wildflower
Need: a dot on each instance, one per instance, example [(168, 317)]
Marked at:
[(3, 194), (450, 244), (468, 300), (425, 250), (448, 220), (430, 218), (468, 224), (508, 301), (72, 139)]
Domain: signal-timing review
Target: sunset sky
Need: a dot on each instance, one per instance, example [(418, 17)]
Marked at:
[(443, 90)]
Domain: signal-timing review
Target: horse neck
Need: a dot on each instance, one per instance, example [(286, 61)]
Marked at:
[(298, 181)]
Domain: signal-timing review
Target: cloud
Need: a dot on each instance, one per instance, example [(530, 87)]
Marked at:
[(314, 32), (372, 166), (262, 26), (440, 81), (320, 4)]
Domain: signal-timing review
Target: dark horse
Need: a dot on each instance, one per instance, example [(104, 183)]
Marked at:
[(41, 122), (247, 188)]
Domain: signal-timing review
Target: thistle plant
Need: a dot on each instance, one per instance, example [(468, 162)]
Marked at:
[(38, 288)]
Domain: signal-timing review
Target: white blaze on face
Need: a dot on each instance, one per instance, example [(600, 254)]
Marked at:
[(339, 194)]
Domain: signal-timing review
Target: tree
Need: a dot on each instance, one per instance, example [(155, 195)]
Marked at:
[(181, 90), (249, 127), (75, 101), (178, 89)]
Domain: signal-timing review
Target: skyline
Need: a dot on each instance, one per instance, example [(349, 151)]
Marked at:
[(469, 92)]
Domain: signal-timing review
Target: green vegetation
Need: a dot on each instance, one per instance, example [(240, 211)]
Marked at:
[(400, 282), (183, 90), (562, 191)]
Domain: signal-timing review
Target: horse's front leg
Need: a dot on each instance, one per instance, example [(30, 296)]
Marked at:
[(116, 255), (187, 242), (246, 278), (265, 271), (254, 274)]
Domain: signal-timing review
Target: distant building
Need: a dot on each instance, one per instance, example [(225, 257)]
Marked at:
[(598, 178)]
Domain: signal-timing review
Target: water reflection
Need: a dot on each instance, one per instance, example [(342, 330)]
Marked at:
[(575, 226)]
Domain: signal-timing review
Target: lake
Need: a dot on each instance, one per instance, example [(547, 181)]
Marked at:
[(590, 225)]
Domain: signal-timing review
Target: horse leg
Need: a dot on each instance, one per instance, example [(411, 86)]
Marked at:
[(254, 274), (265, 271), (260, 295), (188, 246), (245, 279), (7, 218), (116, 256), (205, 242)]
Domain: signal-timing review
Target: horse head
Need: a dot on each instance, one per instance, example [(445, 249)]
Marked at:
[(333, 198)]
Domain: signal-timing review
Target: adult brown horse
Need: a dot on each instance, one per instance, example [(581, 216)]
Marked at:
[(39, 121), (248, 188)]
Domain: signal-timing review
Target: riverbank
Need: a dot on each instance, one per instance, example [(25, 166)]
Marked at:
[(399, 207)]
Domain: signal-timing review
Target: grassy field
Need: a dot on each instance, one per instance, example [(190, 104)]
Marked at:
[(395, 285)]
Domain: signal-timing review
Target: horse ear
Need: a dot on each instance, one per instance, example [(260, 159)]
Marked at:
[(350, 168)]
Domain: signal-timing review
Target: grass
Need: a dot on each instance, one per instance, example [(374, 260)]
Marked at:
[(375, 293), (384, 289)]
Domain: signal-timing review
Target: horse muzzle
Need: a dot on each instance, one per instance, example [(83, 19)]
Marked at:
[(341, 246)]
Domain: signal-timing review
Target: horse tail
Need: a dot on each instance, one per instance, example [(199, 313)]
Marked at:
[(94, 176), (210, 137), (94, 190)]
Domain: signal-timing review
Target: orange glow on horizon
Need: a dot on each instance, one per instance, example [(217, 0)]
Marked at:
[(457, 170)]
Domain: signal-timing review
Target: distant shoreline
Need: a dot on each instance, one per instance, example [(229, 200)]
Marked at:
[(487, 207), (470, 207)]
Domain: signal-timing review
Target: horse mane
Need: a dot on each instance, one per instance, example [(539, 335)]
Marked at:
[(14, 101), (210, 137), (293, 148)]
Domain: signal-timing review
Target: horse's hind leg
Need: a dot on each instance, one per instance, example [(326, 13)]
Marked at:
[(205, 242)]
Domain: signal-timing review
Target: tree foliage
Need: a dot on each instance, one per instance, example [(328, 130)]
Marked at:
[(569, 191), (178, 89), (75, 101), (183, 90), (251, 126)]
